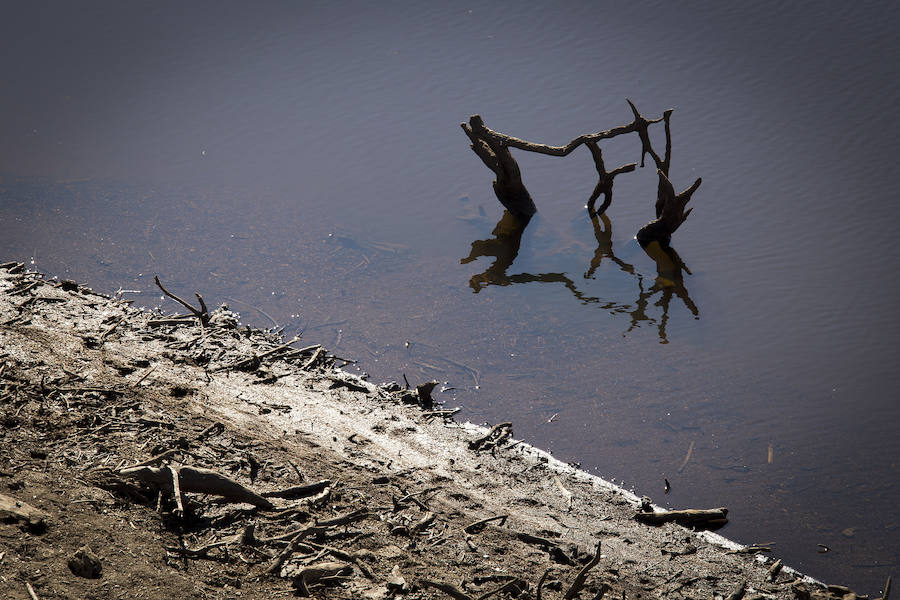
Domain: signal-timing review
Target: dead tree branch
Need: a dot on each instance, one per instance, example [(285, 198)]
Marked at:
[(705, 518), (670, 212), (495, 154), (578, 583), (605, 179), (494, 150), (202, 314), (195, 479)]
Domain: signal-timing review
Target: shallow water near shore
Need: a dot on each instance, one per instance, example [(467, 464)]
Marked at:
[(304, 164)]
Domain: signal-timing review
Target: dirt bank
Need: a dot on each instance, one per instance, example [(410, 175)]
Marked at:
[(217, 461)]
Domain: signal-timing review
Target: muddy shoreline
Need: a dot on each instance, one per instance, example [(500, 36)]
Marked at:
[(116, 420)]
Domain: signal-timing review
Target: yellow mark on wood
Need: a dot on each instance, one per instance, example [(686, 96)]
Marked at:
[(771, 454)]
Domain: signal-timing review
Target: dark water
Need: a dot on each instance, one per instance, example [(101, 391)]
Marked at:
[(304, 164)]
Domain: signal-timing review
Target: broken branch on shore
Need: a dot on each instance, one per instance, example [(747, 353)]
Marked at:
[(479, 526), (700, 518), (198, 480), (318, 529), (202, 313), (493, 438), (578, 583)]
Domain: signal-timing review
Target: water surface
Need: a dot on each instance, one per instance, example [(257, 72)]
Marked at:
[(303, 163)]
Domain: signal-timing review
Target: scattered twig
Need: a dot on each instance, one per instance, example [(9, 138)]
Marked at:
[(112, 328), (478, 526), (444, 414), (31, 592), (299, 491), (738, 592), (153, 460), (176, 491), (347, 556), (566, 493), (202, 313), (450, 590), (317, 529), (253, 361), (498, 432), (774, 570), (578, 583), (312, 360), (216, 427), (143, 377)]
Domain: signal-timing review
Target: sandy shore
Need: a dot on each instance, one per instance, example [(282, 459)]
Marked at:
[(294, 477)]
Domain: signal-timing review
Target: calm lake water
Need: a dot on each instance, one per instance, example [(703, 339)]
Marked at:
[(303, 163)]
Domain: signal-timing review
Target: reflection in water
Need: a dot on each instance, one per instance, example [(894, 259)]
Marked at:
[(670, 269), (604, 245), (669, 281), (504, 246)]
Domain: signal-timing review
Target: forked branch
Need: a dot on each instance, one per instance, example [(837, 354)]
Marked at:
[(493, 148), (202, 314)]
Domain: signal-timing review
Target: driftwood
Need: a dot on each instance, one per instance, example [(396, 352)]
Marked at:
[(313, 530), (493, 148), (300, 491), (457, 594), (195, 479), (202, 313), (16, 510), (315, 573), (493, 438), (700, 518)]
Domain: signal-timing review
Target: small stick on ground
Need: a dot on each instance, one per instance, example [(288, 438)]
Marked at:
[(774, 570), (450, 590), (216, 427), (478, 526), (176, 491), (154, 460), (143, 377), (254, 360), (511, 583), (202, 314), (578, 583), (541, 582), (312, 360), (31, 591), (738, 592), (322, 527), (444, 414), (112, 328), (299, 491)]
